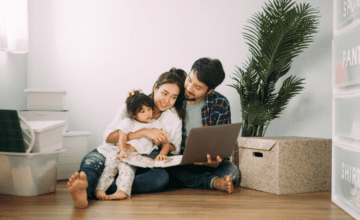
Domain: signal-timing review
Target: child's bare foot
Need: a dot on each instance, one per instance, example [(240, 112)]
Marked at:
[(100, 194), (224, 184), (77, 185), (118, 195)]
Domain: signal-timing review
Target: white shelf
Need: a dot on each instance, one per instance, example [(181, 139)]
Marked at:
[(346, 107)]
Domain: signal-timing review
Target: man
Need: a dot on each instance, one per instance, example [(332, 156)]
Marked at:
[(205, 107)]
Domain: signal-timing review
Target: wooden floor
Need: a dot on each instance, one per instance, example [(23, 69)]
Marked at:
[(178, 204)]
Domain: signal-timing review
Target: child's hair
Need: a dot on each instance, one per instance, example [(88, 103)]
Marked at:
[(134, 103)]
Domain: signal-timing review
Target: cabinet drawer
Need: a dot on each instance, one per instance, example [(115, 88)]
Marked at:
[(345, 12), (346, 121), (346, 59), (346, 179)]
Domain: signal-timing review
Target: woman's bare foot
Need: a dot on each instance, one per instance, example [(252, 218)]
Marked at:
[(77, 185), (118, 195), (224, 184), (100, 194)]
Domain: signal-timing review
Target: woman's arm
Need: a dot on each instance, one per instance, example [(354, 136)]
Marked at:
[(156, 135), (171, 148), (173, 126), (114, 137)]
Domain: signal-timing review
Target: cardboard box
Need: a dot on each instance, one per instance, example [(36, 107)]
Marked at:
[(284, 165)]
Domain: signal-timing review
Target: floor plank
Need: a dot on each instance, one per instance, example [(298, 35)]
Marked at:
[(178, 204)]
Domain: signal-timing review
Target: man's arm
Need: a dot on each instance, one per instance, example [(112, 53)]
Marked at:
[(224, 113), (223, 116)]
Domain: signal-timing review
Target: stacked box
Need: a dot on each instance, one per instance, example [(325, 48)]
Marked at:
[(45, 105), (25, 174), (75, 144), (46, 116), (48, 135), (33, 172), (284, 165), (48, 100)]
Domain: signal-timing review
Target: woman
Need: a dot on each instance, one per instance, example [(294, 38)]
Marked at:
[(168, 97)]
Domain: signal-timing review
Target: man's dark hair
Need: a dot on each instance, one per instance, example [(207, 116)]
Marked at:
[(134, 103), (209, 71)]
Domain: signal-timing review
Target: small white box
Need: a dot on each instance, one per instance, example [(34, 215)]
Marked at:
[(346, 179), (75, 144), (24, 174), (48, 135), (46, 116), (38, 99)]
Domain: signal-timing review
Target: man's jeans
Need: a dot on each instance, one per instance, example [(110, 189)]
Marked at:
[(201, 177), (146, 180)]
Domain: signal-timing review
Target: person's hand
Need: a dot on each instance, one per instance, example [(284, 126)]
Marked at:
[(130, 148), (122, 155), (161, 157), (209, 162), (157, 135), (132, 93)]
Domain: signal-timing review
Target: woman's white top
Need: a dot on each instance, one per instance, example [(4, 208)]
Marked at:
[(143, 145), (170, 122)]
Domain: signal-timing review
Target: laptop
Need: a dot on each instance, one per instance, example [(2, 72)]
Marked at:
[(218, 140), (11, 138)]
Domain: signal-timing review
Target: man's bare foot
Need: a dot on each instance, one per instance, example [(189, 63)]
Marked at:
[(224, 184), (100, 194), (117, 195), (77, 185)]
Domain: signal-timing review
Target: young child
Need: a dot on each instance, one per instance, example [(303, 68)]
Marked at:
[(139, 108)]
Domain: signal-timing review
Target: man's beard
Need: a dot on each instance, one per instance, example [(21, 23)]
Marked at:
[(190, 99)]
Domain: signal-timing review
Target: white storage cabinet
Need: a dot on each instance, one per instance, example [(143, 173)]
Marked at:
[(346, 104)]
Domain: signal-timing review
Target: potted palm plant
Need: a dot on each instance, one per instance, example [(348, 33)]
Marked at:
[(275, 37)]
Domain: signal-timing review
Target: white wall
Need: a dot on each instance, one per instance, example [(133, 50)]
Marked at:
[(13, 80), (99, 50)]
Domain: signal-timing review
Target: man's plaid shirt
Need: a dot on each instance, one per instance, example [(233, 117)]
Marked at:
[(216, 111)]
